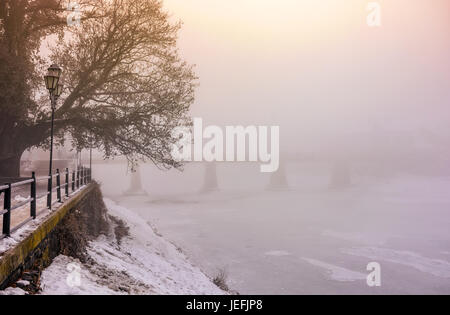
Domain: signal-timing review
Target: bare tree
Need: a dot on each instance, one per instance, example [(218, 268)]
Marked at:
[(126, 86)]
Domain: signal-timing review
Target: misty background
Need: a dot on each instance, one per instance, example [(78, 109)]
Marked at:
[(316, 68)]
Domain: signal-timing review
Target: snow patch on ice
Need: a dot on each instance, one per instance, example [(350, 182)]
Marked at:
[(357, 237), (436, 267), (277, 253), (337, 273)]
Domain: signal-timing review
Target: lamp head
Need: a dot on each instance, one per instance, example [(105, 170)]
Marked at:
[(52, 77), (59, 89)]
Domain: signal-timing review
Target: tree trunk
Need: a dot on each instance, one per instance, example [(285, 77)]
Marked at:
[(13, 143), (11, 150), (10, 167)]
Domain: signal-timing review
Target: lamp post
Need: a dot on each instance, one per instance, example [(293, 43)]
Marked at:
[(90, 156), (54, 87), (90, 160)]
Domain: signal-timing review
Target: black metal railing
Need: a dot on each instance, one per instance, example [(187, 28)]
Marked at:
[(80, 177)]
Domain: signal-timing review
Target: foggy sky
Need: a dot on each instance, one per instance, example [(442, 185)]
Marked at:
[(316, 68)]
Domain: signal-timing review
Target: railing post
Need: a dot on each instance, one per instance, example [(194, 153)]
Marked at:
[(33, 196), (73, 181), (67, 182), (7, 215), (49, 191), (58, 185), (78, 177)]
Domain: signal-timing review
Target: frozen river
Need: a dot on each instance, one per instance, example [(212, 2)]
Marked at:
[(305, 240)]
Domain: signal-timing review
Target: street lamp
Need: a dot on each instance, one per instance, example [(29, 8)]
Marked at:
[(54, 87), (59, 90)]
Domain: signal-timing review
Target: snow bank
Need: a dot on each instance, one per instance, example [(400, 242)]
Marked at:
[(13, 291), (144, 263), (59, 279)]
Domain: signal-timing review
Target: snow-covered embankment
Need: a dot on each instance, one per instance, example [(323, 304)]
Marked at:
[(143, 263)]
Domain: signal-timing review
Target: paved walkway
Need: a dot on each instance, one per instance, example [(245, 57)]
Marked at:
[(22, 193)]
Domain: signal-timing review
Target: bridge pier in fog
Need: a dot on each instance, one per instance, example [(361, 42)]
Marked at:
[(278, 179), (135, 188), (210, 182), (340, 174)]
